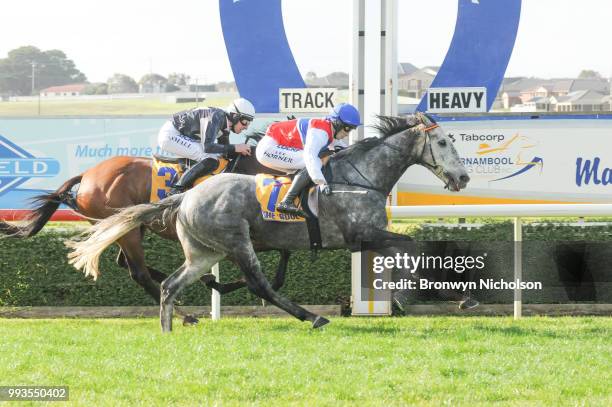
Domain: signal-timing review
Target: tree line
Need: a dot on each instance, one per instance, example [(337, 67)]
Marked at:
[(27, 70)]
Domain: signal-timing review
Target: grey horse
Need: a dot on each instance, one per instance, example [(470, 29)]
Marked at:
[(222, 217)]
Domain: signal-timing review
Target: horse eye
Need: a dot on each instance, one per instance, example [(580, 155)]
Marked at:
[(442, 143)]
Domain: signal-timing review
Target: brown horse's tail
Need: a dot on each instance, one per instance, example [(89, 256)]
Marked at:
[(85, 254), (45, 206)]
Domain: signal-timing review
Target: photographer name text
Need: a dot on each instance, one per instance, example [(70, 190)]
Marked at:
[(482, 284)]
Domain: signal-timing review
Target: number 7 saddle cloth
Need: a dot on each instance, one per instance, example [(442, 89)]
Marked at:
[(270, 190)]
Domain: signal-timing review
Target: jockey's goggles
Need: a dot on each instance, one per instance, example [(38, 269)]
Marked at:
[(245, 120), (348, 128)]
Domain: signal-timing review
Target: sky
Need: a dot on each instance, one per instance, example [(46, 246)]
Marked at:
[(556, 38)]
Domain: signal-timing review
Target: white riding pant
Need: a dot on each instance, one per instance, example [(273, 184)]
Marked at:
[(277, 157), (169, 139)]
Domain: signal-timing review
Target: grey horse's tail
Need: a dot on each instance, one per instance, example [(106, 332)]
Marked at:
[(85, 253)]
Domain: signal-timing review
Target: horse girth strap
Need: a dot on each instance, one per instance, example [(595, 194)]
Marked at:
[(312, 224), (353, 184)]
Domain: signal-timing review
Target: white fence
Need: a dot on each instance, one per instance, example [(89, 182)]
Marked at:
[(465, 211), (515, 211)]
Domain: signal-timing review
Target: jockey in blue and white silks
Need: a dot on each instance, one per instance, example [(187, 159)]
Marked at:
[(295, 145)]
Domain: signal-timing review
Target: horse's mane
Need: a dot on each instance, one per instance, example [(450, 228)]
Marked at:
[(386, 127)]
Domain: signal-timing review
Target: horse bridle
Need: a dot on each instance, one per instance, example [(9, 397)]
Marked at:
[(435, 168)]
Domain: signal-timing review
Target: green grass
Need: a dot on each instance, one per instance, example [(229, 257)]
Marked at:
[(101, 107), (374, 361), (411, 225)]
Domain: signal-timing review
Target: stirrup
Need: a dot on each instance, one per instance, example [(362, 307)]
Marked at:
[(291, 209), (176, 189)]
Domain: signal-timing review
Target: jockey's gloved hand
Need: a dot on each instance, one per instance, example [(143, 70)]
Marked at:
[(326, 190)]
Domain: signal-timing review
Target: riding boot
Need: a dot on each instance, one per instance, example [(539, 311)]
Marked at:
[(287, 205), (198, 170)]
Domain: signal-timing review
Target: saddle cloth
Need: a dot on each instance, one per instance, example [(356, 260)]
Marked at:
[(270, 190), (166, 171)]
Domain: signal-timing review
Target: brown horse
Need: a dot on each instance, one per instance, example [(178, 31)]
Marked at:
[(120, 182)]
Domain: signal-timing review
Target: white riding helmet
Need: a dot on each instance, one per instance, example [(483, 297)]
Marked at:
[(241, 109)]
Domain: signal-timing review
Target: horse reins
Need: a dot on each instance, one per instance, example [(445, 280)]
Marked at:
[(436, 169)]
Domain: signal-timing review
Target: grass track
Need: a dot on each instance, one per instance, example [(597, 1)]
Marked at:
[(375, 361), (118, 107)]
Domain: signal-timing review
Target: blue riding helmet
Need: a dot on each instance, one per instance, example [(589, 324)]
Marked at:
[(347, 114)]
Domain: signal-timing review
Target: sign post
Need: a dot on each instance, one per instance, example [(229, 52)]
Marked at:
[(373, 90)]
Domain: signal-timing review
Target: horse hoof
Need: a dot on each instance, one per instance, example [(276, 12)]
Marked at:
[(319, 322), (468, 304), (207, 278), (399, 305), (189, 320)]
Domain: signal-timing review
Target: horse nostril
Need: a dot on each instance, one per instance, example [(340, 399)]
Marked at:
[(464, 178)]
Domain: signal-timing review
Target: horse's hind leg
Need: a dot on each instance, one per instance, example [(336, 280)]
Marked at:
[(246, 258), (198, 261), (281, 271), (187, 274), (222, 288), (279, 277), (131, 256)]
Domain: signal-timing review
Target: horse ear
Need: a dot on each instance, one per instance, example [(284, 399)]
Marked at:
[(423, 118), (429, 118), (413, 119)]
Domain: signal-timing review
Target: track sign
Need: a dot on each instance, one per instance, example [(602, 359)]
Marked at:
[(301, 100), (457, 100)]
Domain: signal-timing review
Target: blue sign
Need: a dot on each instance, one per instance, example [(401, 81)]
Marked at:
[(481, 47), (52, 150), (258, 50), (262, 61), (587, 171), (17, 166)]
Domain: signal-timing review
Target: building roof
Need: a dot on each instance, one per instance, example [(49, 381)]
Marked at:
[(405, 68), (333, 80), (598, 85), (512, 93), (546, 86), (520, 84), (583, 97), (422, 74), (561, 85), (539, 100), (74, 87)]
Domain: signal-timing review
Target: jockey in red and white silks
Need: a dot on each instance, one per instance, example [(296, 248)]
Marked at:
[(295, 145)]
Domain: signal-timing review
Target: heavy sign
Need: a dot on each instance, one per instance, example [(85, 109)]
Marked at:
[(303, 100), (457, 100)]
